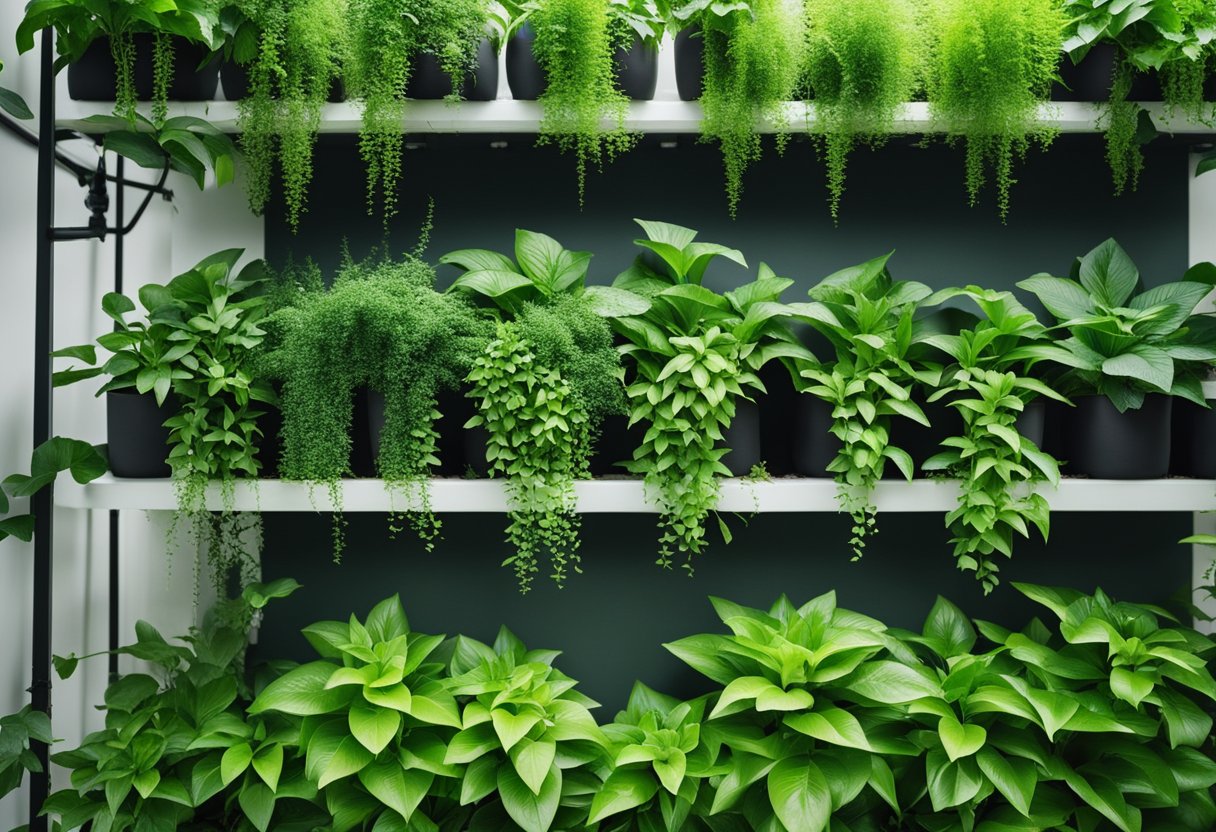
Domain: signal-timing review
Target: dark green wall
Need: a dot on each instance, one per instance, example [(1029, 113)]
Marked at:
[(611, 621)]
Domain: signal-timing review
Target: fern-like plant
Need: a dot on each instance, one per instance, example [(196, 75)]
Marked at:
[(575, 43), (753, 60), (992, 63), (863, 61), (299, 52)]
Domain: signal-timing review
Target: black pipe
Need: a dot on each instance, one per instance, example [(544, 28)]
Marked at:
[(43, 502), (119, 246), (123, 230)]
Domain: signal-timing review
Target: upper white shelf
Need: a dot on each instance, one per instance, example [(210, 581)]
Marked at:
[(660, 116), (625, 496)]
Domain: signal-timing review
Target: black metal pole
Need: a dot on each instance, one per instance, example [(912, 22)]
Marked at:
[(43, 503), (119, 239)]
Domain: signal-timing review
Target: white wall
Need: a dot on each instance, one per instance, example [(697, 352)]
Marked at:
[(169, 239)]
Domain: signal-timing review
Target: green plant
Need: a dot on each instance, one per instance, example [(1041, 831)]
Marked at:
[(646, 20), (868, 318), (575, 43), (992, 63), (294, 52), (689, 359), (381, 325), (1126, 341), (186, 144), (863, 61), (77, 23), (990, 386), (12, 103), (543, 384), (85, 462), (753, 60)]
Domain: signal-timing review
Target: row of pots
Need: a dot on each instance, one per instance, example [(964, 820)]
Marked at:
[(195, 78), (788, 432)]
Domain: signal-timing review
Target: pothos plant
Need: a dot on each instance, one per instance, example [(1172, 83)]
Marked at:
[(575, 44), (381, 325), (753, 55), (863, 61), (543, 384), (78, 23), (869, 319), (689, 359), (293, 52), (990, 385), (991, 65), (12, 102)]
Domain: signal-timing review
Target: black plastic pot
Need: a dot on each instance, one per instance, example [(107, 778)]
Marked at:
[(475, 441), (617, 442), (743, 439), (1103, 443), (814, 446), (367, 420), (94, 76), (1089, 80), (1032, 423), (235, 80), (1146, 86), (637, 70), (1194, 440), (136, 434), (524, 75), (923, 442), (690, 64), (270, 444), (428, 81)]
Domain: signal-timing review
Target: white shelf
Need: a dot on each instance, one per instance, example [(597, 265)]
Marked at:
[(509, 116), (625, 496)]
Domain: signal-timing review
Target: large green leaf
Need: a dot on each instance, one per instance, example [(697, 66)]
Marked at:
[(1109, 274), (948, 626), (539, 255), (257, 804), (892, 683), (1063, 298), (1145, 363), (533, 760), (1104, 796), (800, 795), (399, 789), (1013, 777), (333, 753), (479, 260), (610, 302), (302, 692), (625, 788), (387, 620), (952, 783), (960, 740), (532, 812), (833, 725), (374, 727), (14, 104)]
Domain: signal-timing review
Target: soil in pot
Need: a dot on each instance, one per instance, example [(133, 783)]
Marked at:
[(94, 76), (1089, 80), (743, 439), (428, 81), (637, 70), (1194, 440), (235, 80), (690, 64), (137, 439), (524, 75), (1103, 443)]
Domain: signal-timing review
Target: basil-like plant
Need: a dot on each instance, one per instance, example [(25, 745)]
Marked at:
[(177, 748), (753, 61), (77, 23), (864, 60), (575, 44), (297, 53), (990, 386), (992, 63), (380, 325), (527, 738), (689, 359), (808, 713), (1126, 341), (543, 384), (868, 318)]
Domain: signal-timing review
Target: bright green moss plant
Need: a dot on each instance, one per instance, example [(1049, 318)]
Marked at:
[(383, 326), (753, 61), (575, 43), (292, 64), (992, 63), (863, 61)]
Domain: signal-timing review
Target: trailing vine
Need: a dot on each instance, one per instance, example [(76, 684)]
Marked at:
[(863, 61), (1122, 121), (452, 30), (992, 65), (575, 43)]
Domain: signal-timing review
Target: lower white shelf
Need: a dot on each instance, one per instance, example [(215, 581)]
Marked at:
[(625, 496)]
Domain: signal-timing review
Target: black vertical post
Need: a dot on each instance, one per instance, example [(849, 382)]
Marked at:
[(43, 503), (119, 238)]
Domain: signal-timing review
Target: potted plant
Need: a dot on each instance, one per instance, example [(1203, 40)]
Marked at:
[(863, 61), (185, 144), (130, 50), (752, 52), (459, 54), (638, 29), (1133, 350), (868, 317), (997, 456), (991, 65), (380, 325), (286, 57), (543, 386), (691, 360)]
